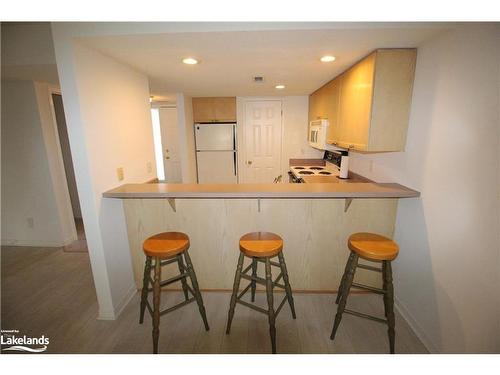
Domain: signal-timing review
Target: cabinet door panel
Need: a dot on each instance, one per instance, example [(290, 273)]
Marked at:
[(313, 106), (332, 94), (203, 110), (355, 104), (225, 109)]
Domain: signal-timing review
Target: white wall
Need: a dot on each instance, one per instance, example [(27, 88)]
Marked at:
[(34, 193), (109, 126), (447, 273), (186, 138)]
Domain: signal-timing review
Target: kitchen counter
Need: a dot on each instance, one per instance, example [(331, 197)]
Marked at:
[(313, 189)]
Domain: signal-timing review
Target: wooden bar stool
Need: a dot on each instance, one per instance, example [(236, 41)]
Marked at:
[(261, 247), (166, 248), (374, 248)]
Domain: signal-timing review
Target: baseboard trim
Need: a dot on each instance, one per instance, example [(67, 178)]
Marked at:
[(35, 243), (416, 328), (125, 301), (113, 315)]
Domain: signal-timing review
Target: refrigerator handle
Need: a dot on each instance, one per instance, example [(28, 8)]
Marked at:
[(234, 162), (234, 137)]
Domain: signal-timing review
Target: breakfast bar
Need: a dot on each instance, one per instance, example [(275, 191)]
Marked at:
[(314, 220)]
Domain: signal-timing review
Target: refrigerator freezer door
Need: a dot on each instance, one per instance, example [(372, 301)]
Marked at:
[(216, 167), (212, 137)]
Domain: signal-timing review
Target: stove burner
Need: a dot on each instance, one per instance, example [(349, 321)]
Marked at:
[(306, 172), (316, 168), (324, 172), (298, 168)]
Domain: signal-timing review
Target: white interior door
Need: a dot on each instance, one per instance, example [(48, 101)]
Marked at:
[(170, 143), (262, 141)]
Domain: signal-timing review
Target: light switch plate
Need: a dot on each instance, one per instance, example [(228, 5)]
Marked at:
[(119, 173)]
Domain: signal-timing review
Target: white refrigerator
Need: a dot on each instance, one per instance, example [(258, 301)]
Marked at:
[(216, 154)]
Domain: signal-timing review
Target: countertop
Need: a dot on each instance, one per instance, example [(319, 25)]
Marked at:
[(309, 190)]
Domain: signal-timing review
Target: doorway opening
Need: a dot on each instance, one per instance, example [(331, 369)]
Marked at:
[(80, 244), (166, 141)]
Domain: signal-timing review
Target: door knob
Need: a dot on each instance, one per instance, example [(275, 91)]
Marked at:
[(167, 157), (249, 162)]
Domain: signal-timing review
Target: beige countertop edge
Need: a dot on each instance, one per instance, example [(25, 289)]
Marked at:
[(255, 191)]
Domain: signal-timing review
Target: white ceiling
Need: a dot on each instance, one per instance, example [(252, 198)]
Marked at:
[(230, 59)]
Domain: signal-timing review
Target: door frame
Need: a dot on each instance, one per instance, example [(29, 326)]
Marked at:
[(241, 102), (161, 106), (67, 200)]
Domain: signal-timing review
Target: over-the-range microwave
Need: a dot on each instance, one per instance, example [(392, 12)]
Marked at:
[(317, 134)]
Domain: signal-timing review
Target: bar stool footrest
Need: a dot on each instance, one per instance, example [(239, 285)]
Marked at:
[(183, 303), (280, 306), (369, 288), (256, 308), (366, 316), (275, 264), (368, 267)]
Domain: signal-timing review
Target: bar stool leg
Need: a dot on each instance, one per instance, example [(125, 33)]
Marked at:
[(288, 288), (342, 281), (145, 287), (182, 269), (254, 274), (389, 305), (270, 311), (196, 288), (156, 305), (384, 286), (345, 292), (236, 286)]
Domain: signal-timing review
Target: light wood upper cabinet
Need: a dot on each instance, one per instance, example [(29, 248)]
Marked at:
[(222, 109), (323, 103), (368, 105), (355, 105)]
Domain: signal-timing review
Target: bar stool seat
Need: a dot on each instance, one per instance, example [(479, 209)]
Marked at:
[(166, 245), (371, 246), (261, 244)]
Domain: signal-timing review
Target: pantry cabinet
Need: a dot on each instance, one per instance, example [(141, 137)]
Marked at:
[(368, 105), (217, 109)]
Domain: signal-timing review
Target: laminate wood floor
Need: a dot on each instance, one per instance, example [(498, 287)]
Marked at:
[(46, 291)]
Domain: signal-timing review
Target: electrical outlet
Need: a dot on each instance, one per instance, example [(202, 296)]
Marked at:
[(149, 167), (31, 222), (119, 173)]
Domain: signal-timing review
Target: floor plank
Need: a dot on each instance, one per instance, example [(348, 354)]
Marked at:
[(48, 291)]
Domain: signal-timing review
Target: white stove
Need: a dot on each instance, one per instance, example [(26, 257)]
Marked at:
[(328, 169)]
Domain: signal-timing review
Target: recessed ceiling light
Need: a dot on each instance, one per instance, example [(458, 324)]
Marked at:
[(190, 61), (328, 58), (280, 87)]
